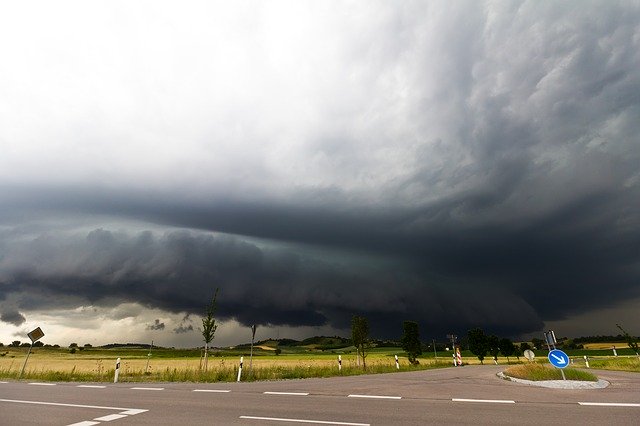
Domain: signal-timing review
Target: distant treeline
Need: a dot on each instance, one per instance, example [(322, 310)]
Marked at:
[(599, 339)]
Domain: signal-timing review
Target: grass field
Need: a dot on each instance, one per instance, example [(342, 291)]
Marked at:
[(537, 372), (98, 364)]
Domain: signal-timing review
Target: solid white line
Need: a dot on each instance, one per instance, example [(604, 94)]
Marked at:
[(212, 390), (85, 423), (134, 411), (151, 389), (58, 404), (610, 404), (91, 386), (4, 383), (43, 384), (110, 417), (495, 401), (322, 422), (374, 396), (287, 393)]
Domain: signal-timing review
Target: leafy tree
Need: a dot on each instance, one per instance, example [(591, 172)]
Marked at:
[(73, 345), (632, 342), (537, 343), (88, 345), (524, 346), (494, 347), (507, 348), (209, 326), (360, 337), (25, 345), (478, 343), (411, 341), (15, 343), (38, 344)]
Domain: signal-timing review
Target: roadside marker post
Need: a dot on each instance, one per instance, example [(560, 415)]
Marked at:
[(339, 362), (586, 361), (458, 356), (240, 369), (117, 374), (615, 353), (34, 336), (397, 363)]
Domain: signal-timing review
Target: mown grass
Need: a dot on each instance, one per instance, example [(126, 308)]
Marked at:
[(617, 363), (538, 372)]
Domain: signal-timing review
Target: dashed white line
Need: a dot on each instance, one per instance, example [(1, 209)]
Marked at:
[(149, 389), (610, 404), (212, 390), (322, 422), (494, 401), (43, 384), (4, 383), (374, 396), (85, 423), (91, 386), (110, 417), (287, 393)]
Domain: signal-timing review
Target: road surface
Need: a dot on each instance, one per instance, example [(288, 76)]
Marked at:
[(463, 395)]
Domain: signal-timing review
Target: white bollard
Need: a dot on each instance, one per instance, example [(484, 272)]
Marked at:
[(397, 364), (586, 361), (115, 378), (240, 369), (615, 353), (455, 363), (339, 362)]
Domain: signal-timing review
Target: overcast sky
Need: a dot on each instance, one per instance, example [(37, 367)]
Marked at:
[(459, 164)]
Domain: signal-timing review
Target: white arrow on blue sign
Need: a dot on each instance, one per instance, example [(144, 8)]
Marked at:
[(558, 359)]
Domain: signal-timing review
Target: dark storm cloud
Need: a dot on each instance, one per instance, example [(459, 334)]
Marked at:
[(185, 325), (12, 317), (482, 168), (157, 325)]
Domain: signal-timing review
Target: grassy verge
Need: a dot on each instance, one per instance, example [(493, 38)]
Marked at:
[(537, 372), (618, 363)]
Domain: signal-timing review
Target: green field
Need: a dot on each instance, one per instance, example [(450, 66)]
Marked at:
[(315, 357)]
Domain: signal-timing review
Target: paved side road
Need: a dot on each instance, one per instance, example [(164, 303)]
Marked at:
[(464, 395)]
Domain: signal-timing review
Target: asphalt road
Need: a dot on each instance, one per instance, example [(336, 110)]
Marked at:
[(464, 395)]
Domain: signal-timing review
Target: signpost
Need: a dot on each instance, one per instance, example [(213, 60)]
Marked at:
[(558, 359), (528, 354), (253, 336), (34, 335)]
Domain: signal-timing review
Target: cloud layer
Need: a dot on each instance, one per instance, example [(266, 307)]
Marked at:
[(461, 165)]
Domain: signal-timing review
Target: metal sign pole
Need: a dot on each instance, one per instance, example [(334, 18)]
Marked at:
[(25, 361), (253, 335)]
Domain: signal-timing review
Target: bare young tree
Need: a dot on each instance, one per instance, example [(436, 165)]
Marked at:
[(360, 337), (209, 326)]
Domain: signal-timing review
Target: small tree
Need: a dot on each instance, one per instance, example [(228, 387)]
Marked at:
[(631, 342), (411, 341), (507, 348), (360, 337), (478, 343), (73, 345), (209, 326), (15, 343), (494, 347)]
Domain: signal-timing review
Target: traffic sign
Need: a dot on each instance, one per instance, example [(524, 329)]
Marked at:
[(558, 359), (528, 354)]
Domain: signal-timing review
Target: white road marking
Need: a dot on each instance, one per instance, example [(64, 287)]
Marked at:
[(43, 384), (322, 422), (374, 396), (610, 404), (212, 390), (287, 393), (110, 417), (85, 423), (58, 404), (91, 386), (494, 401), (150, 389), (134, 411), (4, 383)]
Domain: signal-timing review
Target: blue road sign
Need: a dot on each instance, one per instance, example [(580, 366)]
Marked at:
[(558, 359)]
